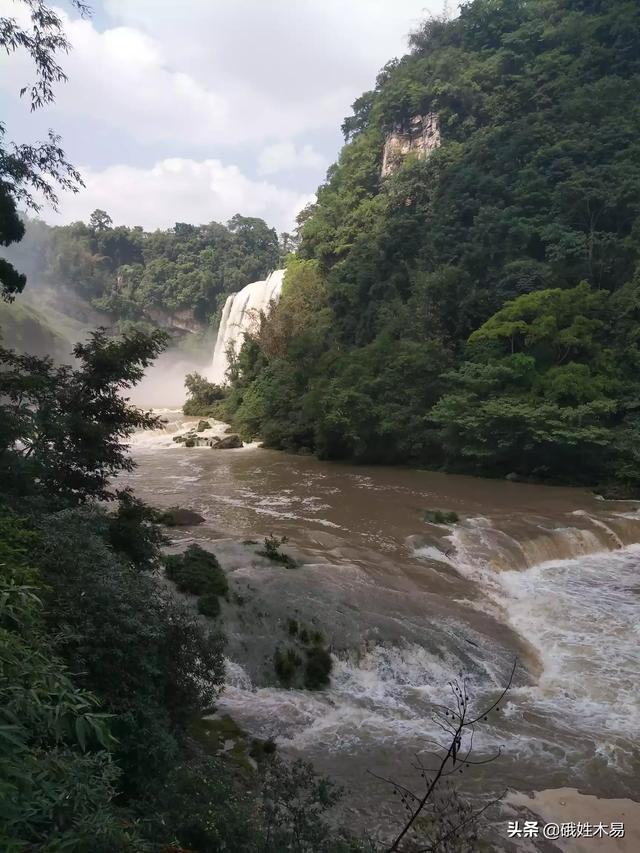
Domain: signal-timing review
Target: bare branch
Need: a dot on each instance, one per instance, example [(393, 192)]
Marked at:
[(455, 724)]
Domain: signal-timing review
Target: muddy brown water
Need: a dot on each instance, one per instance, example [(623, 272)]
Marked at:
[(549, 576)]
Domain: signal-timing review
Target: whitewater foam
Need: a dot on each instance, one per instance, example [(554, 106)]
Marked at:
[(387, 695)]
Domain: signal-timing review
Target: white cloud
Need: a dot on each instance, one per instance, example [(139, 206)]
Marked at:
[(286, 157), (179, 190), (182, 84), (224, 73)]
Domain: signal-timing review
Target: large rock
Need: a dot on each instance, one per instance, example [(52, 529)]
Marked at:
[(229, 442), (176, 516), (186, 437), (202, 425), (192, 439)]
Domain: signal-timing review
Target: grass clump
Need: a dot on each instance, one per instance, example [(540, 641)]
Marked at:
[(287, 665), (305, 635), (313, 671), (271, 550), (197, 571), (439, 516), (317, 668)]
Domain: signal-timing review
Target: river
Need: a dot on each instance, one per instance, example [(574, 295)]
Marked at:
[(547, 575)]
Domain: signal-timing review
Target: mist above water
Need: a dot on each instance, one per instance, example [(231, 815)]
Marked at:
[(163, 383)]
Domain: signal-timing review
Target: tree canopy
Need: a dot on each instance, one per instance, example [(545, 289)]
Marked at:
[(140, 277)]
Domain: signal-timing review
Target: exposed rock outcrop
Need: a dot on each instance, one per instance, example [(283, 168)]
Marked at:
[(180, 321), (178, 517), (229, 442), (192, 439), (420, 137)]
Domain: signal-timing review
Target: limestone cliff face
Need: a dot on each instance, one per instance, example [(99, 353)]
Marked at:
[(181, 321), (421, 137)]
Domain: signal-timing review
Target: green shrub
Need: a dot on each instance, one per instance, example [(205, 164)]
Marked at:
[(204, 398), (292, 627), (318, 666), (196, 571), (439, 516), (209, 605), (271, 551)]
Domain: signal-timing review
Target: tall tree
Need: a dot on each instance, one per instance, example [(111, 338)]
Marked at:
[(100, 220)]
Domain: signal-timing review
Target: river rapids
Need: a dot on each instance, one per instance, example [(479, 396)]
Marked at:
[(549, 576)]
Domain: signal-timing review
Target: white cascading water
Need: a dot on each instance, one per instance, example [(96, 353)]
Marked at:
[(240, 311)]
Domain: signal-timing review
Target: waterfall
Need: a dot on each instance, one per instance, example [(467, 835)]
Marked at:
[(238, 314)]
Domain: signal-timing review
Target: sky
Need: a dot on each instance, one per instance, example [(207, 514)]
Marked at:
[(194, 110)]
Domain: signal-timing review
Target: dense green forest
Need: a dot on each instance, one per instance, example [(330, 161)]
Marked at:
[(479, 309), (140, 278)]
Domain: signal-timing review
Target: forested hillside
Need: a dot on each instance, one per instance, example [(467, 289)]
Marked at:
[(478, 308), (173, 278)]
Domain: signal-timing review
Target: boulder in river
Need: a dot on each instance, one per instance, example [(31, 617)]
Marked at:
[(177, 516), (229, 442), (189, 439), (202, 425)]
